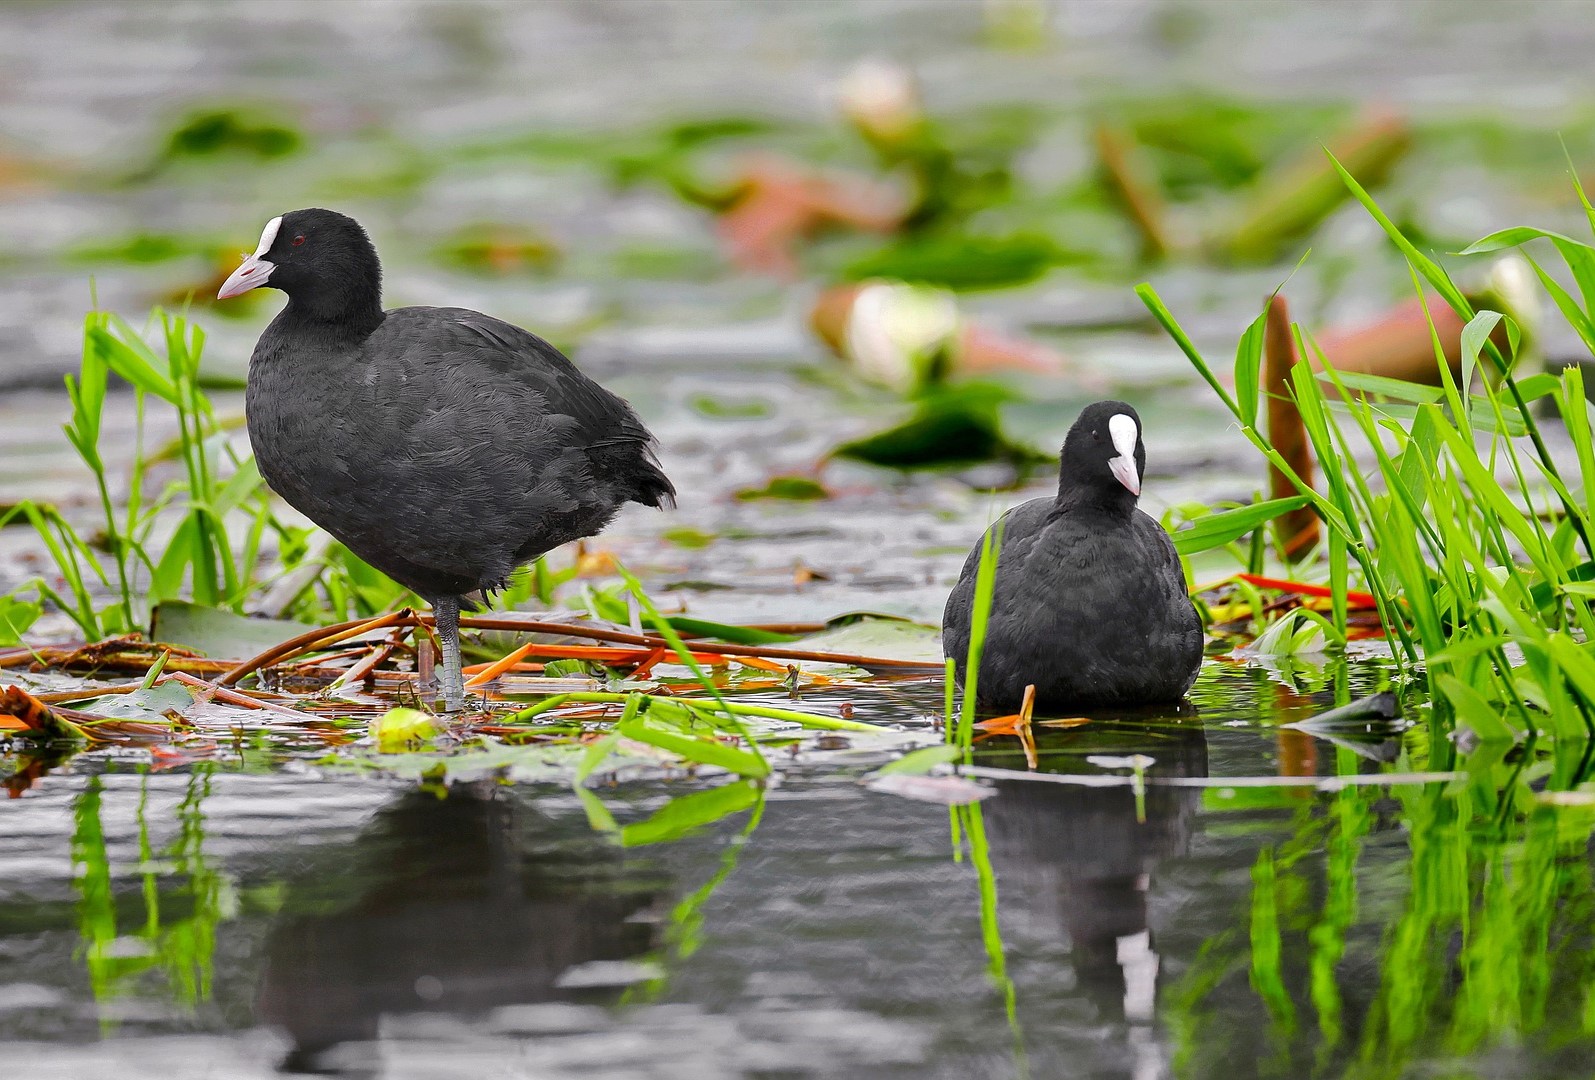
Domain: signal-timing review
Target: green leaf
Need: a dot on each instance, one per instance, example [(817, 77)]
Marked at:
[(400, 729), (1160, 312), (889, 637), (213, 632), (797, 488), (16, 615), (1575, 315), (1579, 256), (611, 604), (960, 260), (700, 750), (1394, 389), (729, 632), (742, 409), (151, 703), (687, 814), (1248, 366), (950, 426), (1214, 530), (923, 760), (1426, 266), (599, 749), (126, 354), (598, 815), (1295, 633), (565, 669), (1471, 708)]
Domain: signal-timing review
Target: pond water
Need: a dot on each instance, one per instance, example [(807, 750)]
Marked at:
[(226, 920), (237, 906)]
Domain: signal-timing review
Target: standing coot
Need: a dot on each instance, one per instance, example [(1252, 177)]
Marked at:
[(1090, 602), (442, 446)]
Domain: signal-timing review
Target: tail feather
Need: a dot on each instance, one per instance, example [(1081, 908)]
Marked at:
[(653, 487)]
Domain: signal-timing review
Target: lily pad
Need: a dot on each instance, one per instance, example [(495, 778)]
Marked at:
[(951, 426), (886, 636), (213, 632), (152, 703)]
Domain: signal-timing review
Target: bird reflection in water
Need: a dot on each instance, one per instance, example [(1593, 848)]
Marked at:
[(455, 906), (1077, 862)]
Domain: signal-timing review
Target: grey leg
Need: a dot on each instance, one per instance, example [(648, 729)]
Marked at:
[(446, 609)]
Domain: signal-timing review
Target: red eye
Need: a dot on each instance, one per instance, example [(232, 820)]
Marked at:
[(298, 240)]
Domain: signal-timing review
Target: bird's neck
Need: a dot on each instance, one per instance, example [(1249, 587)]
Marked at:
[(1113, 502), (347, 315)]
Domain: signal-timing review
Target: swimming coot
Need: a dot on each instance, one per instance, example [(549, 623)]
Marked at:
[(1090, 603), (442, 446)]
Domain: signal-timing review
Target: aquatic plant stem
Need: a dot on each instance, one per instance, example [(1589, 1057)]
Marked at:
[(985, 590)]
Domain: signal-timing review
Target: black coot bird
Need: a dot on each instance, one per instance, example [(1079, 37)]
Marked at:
[(442, 446), (1090, 603)]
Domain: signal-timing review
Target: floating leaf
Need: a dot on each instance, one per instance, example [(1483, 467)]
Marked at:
[(725, 409), (961, 260), (955, 425), (401, 729), (216, 131), (797, 488), (211, 631), (152, 703)]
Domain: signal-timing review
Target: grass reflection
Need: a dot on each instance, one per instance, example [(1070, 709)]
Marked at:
[(1483, 942), (968, 821), (183, 900)]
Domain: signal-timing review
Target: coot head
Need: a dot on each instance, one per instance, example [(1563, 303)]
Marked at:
[(322, 259), (1103, 456)]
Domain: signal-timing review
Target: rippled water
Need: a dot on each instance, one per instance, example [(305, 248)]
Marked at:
[(217, 921)]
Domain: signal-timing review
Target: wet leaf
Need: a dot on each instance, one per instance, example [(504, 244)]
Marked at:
[(214, 632), (1378, 711), (151, 703), (611, 605), (401, 729), (885, 636), (1296, 632)]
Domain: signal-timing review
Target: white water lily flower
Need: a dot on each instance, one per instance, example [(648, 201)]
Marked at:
[(882, 99), (896, 332)]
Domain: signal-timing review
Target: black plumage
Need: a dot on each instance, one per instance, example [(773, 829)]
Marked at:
[(443, 446), (1090, 603)]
